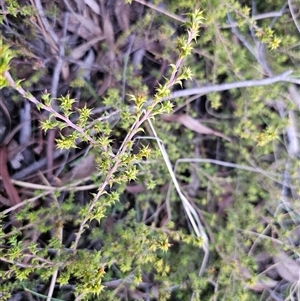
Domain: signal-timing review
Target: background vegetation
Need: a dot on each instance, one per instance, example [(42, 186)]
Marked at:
[(149, 150)]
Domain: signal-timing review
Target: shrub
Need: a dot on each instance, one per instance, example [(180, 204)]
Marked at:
[(168, 209)]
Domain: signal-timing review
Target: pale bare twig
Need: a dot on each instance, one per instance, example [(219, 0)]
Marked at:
[(70, 187), (242, 38), (272, 176), (284, 6), (257, 51), (44, 19), (226, 164), (53, 37), (274, 240), (258, 17), (293, 14), (25, 202), (45, 263), (189, 209), (283, 77)]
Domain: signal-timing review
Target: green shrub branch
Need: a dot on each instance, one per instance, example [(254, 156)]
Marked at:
[(116, 168)]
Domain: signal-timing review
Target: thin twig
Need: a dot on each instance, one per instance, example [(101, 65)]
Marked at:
[(35, 166), (125, 145), (31, 98), (111, 172), (161, 10), (276, 17), (70, 187), (226, 164), (58, 233), (283, 77), (258, 17), (272, 176), (293, 15), (246, 43), (189, 209), (45, 22)]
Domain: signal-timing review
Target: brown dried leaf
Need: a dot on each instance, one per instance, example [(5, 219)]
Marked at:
[(15, 160), (84, 169), (194, 125), (83, 27), (89, 61), (65, 71), (107, 56), (93, 5), (286, 267), (108, 29), (135, 188), (122, 11), (81, 50)]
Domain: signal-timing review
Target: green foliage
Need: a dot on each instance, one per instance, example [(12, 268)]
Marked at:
[(6, 55), (149, 237), (147, 252), (15, 9)]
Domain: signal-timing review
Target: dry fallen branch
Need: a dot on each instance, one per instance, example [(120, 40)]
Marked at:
[(283, 77)]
